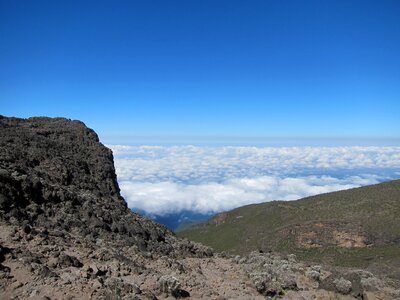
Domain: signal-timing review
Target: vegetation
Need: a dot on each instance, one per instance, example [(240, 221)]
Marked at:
[(357, 227)]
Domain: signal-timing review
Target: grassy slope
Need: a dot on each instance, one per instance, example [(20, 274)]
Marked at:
[(375, 209)]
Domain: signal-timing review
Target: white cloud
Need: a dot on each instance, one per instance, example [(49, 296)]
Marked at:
[(162, 180), (169, 197)]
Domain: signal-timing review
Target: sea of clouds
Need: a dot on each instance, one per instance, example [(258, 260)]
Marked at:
[(163, 180)]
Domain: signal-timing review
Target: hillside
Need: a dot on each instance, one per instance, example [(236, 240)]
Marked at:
[(66, 233), (358, 227)]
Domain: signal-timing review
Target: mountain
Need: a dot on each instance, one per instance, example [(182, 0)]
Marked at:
[(66, 233), (179, 221), (56, 175), (357, 227)]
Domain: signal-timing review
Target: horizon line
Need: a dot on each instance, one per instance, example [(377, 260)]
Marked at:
[(247, 141)]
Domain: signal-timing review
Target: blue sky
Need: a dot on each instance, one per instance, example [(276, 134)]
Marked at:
[(186, 69)]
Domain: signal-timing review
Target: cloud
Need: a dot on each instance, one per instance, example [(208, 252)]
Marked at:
[(171, 197), (161, 180)]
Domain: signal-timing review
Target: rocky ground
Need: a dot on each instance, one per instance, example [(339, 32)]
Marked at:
[(286, 277), (43, 265), (66, 233)]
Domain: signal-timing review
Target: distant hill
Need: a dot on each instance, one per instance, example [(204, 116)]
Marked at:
[(358, 227), (180, 220)]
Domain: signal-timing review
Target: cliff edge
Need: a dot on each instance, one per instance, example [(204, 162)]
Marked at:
[(56, 175)]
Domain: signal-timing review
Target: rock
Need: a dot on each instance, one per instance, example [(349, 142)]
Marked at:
[(16, 285), (96, 284), (118, 286), (44, 271), (342, 285), (3, 252), (52, 169), (65, 261), (27, 228), (4, 272), (312, 274), (271, 276), (5, 201), (316, 268), (237, 259), (34, 294), (266, 284), (169, 284), (371, 283), (292, 258)]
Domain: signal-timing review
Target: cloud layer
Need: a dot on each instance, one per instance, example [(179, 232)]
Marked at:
[(162, 180)]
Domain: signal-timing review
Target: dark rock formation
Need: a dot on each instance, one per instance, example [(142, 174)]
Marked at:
[(55, 174)]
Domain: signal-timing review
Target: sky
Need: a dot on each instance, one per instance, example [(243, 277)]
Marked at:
[(187, 71), (211, 105)]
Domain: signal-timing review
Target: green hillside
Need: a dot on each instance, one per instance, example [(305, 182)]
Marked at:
[(358, 227)]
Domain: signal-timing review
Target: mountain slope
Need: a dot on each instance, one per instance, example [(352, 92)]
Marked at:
[(66, 233), (348, 227)]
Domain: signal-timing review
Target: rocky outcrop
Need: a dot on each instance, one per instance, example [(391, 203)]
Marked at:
[(324, 234), (218, 219), (55, 175), (277, 277)]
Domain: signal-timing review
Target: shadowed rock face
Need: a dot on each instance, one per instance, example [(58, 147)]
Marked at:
[(54, 173)]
